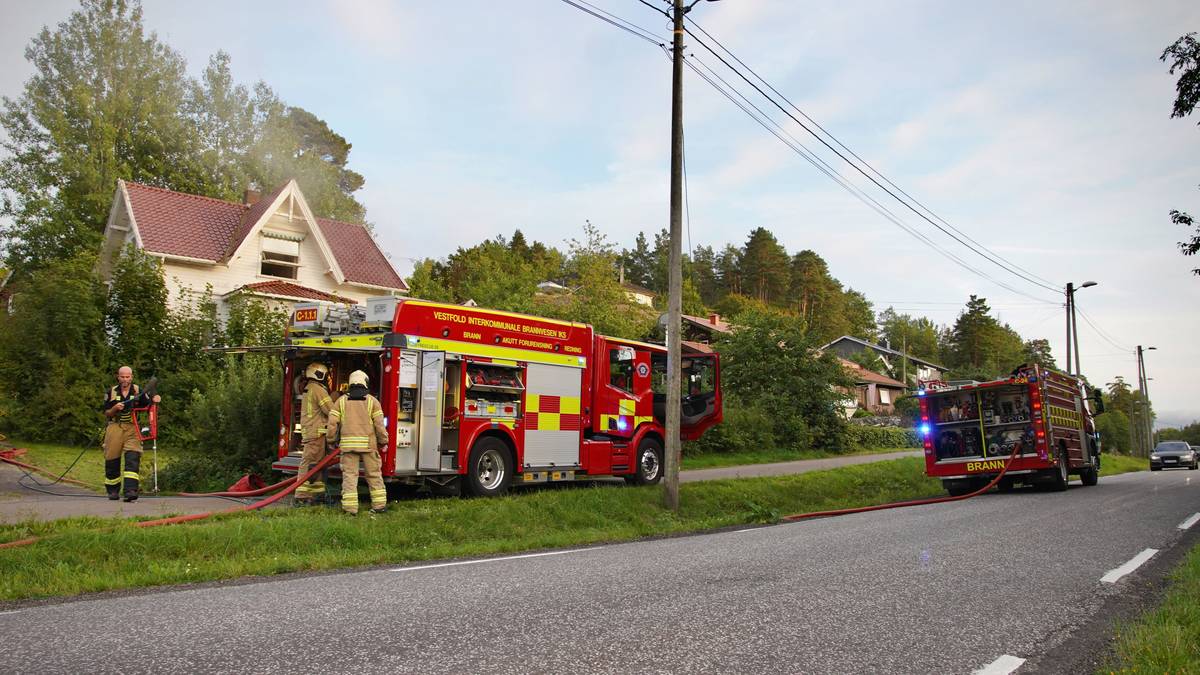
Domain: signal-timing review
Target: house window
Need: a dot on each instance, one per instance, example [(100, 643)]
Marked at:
[(885, 396), (280, 257)]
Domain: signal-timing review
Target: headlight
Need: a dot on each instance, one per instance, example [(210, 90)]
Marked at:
[(1153, 456)]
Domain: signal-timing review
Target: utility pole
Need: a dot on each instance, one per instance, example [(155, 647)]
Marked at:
[(1143, 448), (673, 452), (1070, 312)]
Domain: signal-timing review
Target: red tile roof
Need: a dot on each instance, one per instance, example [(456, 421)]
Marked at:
[(705, 323), (358, 255), (862, 375), (290, 290), (174, 223), (191, 226)]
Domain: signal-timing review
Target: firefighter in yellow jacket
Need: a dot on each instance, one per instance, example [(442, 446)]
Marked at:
[(314, 418), (121, 437), (357, 424)]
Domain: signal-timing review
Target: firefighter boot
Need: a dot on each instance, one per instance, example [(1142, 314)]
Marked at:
[(112, 478), (131, 475)]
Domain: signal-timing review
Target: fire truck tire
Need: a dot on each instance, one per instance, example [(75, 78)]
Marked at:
[(649, 467), (958, 487), (490, 469), (1006, 485), (1090, 474), (1060, 476)]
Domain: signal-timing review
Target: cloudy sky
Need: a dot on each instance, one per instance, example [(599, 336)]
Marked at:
[(1039, 129)]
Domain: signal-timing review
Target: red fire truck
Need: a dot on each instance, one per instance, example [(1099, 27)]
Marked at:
[(484, 398), (970, 430)]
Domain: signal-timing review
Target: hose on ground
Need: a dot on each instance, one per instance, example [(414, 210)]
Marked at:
[(288, 489), (241, 493), (916, 502)]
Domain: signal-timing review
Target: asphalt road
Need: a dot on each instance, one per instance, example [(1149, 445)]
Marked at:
[(947, 588)]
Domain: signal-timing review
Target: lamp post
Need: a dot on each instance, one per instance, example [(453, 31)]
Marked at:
[(1073, 326), (1147, 422)]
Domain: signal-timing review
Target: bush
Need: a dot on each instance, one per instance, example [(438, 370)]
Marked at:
[(909, 409), (195, 472), (751, 427), (235, 421), (882, 437)]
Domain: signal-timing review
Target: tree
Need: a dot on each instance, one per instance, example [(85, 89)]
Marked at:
[(1184, 56), (103, 103), (764, 267), (1038, 351), (1115, 432), (980, 347), (639, 262)]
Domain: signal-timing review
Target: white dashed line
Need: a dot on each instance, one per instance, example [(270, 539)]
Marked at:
[(489, 560), (748, 529), (1138, 560), (10, 612), (1001, 666), (1190, 521)]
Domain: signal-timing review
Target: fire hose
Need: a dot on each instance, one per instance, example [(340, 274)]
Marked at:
[(916, 502), (290, 486)]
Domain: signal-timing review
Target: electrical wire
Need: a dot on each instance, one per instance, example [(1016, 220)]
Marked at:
[(1027, 275), (950, 232), (812, 158), (1106, 336), (619, 23)]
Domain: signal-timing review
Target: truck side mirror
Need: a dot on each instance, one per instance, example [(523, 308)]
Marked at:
[(1098, 399)]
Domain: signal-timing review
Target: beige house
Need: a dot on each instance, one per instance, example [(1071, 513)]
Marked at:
[(270, 247)]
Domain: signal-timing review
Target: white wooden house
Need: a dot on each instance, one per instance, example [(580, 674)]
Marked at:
[(270, 247)]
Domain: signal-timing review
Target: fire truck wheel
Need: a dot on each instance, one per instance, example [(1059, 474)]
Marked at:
[(1006, 485), (1090, 475), (490, 469), (1061, 476), (649, 463)]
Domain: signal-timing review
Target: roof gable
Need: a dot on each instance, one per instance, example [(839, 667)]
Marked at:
[(883, 350), (359, 256)]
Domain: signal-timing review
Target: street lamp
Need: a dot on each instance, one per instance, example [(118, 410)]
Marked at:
[(1147, 426), (1073, 325)]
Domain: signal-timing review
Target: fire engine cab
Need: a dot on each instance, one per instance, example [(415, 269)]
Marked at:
[(486, 399), (969, 431)]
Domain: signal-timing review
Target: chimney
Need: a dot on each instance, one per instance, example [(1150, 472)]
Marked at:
[(249, 197), (714, 319)]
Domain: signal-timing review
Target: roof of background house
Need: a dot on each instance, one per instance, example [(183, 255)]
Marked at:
[(641, 290), (289, 290), (192, 226), (885, 350), (704, 322), (862, 375)]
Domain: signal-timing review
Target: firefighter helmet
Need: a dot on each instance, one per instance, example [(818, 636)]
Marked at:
[(357, 377), (316, 371)]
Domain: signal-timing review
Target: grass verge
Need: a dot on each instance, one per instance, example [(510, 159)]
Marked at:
[(1166, 640), (83, 555), (714, 460), (1111, 465)]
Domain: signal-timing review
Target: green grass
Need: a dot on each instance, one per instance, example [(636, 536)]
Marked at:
[(714, 459), (89, 468), (1111, 465), (1165, 640), (81, 555)]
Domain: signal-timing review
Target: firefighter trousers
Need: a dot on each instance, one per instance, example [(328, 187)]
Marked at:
[(121, 438), (311, 452), (372, 468)]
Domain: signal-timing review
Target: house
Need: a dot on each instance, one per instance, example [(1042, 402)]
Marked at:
[(847, 346), (703, 330), (269, 247), (642, 296), (875, 393)]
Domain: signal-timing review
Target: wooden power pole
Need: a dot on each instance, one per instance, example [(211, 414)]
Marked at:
[(673, 452)]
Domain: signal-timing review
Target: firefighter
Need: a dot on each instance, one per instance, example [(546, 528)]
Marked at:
[(314, 417), (121, 437), (357, 425)]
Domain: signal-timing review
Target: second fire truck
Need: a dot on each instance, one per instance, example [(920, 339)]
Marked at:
[(485, 399)]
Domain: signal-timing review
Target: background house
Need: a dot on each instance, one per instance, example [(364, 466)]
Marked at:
[(271, 247), (875, 393), (847, 346)]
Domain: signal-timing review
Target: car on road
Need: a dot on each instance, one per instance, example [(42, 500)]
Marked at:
[(1174, 454)]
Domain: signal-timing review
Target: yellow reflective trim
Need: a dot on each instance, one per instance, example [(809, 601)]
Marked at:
[(531, 403), (377, 413), (569, 405), (131, 475), (493, 312), (495, 351), (112, 481), (640, 419), (326, 400), (626, 406), (505, 421), (548, 422), (364, 341)]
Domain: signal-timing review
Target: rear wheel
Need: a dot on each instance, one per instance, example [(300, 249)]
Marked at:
[(1006, 485), (1061, 475), (958, 488), (649, 463), (490, 469)]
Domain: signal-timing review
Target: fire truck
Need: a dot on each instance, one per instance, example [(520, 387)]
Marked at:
[(970, 430), (478, 400)]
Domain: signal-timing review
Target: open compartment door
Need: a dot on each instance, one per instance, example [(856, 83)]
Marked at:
[(429, 433)]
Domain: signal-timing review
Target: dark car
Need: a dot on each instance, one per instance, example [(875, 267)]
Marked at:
[(1174, 454)]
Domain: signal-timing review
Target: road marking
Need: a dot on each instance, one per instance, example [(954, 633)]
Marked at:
[(488, 560), (1190, 521), (748, 529), (1138, 560), (1001, 666), (10, 612)]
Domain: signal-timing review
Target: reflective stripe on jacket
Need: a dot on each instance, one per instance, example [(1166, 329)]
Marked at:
[(359, 423), (314, 410)]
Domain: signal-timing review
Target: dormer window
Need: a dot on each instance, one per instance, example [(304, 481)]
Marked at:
[(280, 254)]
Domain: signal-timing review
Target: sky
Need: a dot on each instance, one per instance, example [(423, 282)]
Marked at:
[(1040, 130)]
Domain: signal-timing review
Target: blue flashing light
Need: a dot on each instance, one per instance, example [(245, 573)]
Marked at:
[(621, 423), (925, 429), (920, 392)]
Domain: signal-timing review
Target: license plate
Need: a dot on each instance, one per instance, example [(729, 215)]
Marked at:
[(1168, 460)]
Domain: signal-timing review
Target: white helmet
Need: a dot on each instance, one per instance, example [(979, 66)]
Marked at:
[(357, 377), (316, 371)]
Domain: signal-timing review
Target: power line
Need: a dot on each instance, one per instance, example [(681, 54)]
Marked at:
[(1106, 336), (948, 232), (615, 21), (821, 165)]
